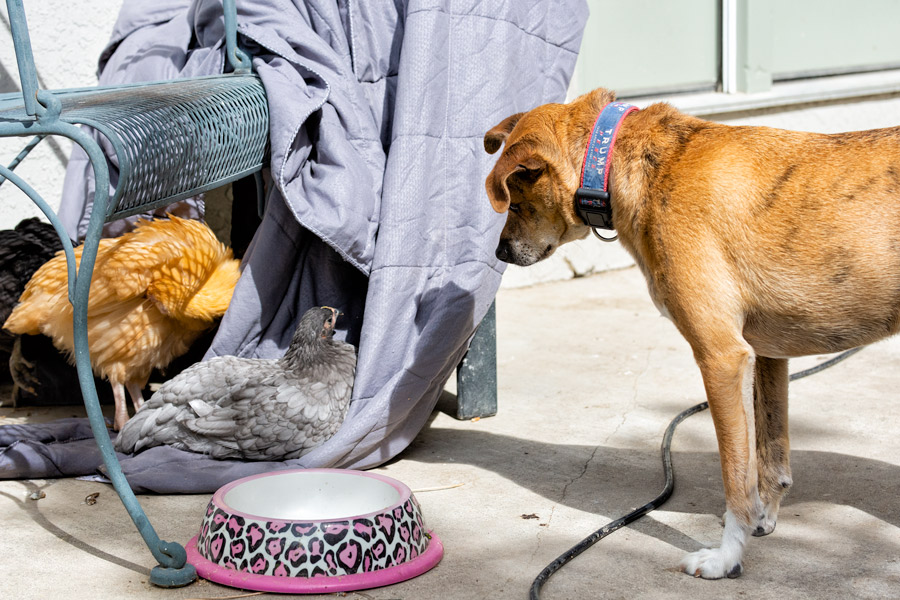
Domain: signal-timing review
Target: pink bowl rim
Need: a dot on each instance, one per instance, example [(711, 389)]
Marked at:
[(316, 585), (219, 496)]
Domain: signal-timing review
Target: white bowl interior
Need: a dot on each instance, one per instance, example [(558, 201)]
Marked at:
[(311, 496)]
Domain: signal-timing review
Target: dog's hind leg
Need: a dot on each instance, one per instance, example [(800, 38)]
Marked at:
[(728, 375), (770, 399)]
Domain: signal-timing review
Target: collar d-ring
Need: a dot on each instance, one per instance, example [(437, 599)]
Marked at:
[(605, 239)]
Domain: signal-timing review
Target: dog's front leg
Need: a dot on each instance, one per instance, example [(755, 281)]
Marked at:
[(728, 375), (770, 398)]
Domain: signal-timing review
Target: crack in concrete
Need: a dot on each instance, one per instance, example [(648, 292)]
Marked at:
[(537, 546), (584, 469), (569, 264), (634, 395), (575, 272), (565, 492), (541, 533), (619, 426), (633, 402)]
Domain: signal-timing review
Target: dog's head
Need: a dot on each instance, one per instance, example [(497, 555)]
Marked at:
[(537, 174)]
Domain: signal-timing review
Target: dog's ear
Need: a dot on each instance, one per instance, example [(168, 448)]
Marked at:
[(497, 135), (518, 158)]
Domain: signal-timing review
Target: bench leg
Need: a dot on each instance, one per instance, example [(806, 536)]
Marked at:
[(173, 569), (476, 375)]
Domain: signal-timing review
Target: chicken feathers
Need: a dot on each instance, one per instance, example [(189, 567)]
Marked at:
[(153, 292), (22, 251), (253, 408)]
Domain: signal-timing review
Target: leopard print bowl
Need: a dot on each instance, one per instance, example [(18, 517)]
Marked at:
[(313, 531)]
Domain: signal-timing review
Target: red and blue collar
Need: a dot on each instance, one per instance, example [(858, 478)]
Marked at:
[(592, 202)]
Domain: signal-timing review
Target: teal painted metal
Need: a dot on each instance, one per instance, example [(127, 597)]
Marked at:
[(170, 140), (476, 375), (24, 57), (214, 130), (211, 130), (238, 59), (25, 152)]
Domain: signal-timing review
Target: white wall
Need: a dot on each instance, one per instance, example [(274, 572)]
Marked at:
[(67, 37)]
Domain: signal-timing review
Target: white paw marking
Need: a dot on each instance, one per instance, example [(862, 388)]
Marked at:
[(710, 563), (725, 561)]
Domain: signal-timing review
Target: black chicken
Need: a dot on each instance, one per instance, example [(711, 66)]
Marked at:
[(253, 408), (22, 251)]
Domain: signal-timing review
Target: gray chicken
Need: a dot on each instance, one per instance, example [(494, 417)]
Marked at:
[(253, 408)]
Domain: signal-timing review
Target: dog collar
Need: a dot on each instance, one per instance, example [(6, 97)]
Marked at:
[(592, 202)]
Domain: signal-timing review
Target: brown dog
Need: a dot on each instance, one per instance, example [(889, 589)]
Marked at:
[(759, 244)]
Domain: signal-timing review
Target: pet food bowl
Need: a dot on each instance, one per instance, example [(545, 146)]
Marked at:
[(313, 531)]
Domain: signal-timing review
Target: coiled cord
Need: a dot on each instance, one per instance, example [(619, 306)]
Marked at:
[(636, 514)]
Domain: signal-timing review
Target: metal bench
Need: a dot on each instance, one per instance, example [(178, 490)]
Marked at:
[(167, 141)]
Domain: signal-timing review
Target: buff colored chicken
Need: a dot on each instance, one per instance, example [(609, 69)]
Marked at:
[(153, 292)]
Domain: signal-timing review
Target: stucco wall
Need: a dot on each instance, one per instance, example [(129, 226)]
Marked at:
[(67, 37)]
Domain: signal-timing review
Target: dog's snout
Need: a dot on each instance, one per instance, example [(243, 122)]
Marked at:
[(503, 251)]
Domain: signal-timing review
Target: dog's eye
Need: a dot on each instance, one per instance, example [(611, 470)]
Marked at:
[(514, 208)]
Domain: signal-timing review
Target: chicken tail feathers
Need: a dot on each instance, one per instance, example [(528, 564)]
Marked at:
[(150, 426), (130, 435), (196, 426), (23, 322), (213, 298)]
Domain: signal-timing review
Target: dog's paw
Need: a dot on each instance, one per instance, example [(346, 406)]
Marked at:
[(765, 526), (711, 563), (768, 514)]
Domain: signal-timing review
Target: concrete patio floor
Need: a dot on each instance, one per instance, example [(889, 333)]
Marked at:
[(590, 376)]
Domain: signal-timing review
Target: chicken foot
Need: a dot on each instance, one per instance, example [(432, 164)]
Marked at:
[(135, 390), (137, 398)]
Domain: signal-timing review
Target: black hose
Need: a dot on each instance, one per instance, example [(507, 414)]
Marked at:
[(636, 514), (828, 363)]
